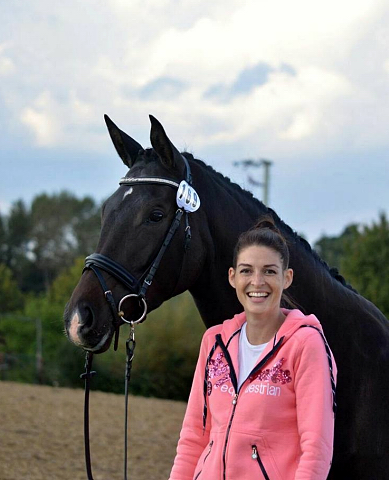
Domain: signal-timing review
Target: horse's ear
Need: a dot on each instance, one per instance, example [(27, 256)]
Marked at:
[(127, 148), (166, 151)]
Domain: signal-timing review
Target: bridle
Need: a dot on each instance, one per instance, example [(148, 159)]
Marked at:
[(187, 202), (186, 198)]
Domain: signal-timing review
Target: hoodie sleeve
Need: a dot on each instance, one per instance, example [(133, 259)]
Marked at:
[(315, 416), (193, 439)]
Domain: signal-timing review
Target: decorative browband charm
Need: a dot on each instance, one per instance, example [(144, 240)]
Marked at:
[(187, 197)]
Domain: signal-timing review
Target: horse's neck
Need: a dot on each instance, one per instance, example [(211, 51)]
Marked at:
[(228, 214), (313, 286)]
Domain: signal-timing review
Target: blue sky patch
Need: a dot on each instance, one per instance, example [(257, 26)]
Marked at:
[(246, 81), (165, 87)]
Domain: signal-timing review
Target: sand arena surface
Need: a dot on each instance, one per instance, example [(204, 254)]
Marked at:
[(41, 434)]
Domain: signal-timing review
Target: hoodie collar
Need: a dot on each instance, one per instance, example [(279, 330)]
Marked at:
[(293, 321)]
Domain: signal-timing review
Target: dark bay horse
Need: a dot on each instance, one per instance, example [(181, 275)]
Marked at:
[(135, 222)]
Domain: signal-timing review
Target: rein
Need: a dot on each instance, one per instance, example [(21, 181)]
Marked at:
[(187, 202)]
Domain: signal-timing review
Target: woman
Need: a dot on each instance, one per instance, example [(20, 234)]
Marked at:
[(262, 401)]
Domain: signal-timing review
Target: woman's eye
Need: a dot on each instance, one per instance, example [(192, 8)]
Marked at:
[(270, 272), (245, 270), (155, 216)]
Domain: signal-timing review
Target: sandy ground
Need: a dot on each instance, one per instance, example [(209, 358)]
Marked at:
[(41, 434)]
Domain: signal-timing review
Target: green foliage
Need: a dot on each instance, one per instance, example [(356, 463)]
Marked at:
[(166, 352), (19, 333), (58, 234), (362, 254), (3, 240), (167, 349), (366, 262), (165, 356), (333, 249), (38, 243), (15, 244), (11, 298), (63, 286), (167, 345)]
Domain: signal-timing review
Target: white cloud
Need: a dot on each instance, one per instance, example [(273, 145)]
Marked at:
[(92, 64), (302, 126), (300, 32), (41, 121), (7, 66)]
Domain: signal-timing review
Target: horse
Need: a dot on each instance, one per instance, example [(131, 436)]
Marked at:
[(136, 221)]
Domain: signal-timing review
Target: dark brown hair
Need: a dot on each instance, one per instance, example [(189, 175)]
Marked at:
[(263, 234)]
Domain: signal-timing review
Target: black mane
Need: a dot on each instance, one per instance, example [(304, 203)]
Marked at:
[(333, 271)]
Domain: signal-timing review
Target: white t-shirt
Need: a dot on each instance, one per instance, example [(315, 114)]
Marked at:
[(248, 355)]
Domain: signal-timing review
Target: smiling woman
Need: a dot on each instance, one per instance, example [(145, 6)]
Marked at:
[(266, 402), (260, 275)]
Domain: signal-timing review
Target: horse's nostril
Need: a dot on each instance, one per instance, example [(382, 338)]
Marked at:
[(87, 317)]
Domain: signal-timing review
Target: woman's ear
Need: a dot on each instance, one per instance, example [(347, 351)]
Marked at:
[(231, 276), (288, 278)]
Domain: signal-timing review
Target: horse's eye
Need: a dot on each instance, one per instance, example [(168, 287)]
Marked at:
[(155, 216)]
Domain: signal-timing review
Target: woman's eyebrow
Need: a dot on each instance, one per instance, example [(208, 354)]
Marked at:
[(265, 266)]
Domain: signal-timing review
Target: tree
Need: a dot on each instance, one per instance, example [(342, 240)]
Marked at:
[(361, 253), (366, 262), (3, 240), (56, 226), (38, 243), (333, 249), (17, 230), (11, 298)]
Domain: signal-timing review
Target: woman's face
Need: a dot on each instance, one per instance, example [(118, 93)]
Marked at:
[(259, 280)]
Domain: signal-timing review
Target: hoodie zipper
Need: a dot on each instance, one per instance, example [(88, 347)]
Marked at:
[(234, 382), (234, 403), (205, 458), (255, 456)]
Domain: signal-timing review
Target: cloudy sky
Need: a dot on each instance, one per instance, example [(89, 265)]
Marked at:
[(302, 83)]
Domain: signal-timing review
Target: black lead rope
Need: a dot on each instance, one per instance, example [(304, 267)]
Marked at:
[(130, 348), (87, 376)]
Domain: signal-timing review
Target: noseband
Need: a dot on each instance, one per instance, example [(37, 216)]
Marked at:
[(187, 202)]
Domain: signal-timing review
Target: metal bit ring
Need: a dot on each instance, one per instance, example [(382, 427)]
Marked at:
[(121, 313)]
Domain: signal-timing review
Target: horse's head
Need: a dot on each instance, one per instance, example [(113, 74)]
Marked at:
[(136, 221)]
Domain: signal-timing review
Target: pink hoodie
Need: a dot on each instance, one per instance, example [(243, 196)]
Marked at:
[(278, 426)]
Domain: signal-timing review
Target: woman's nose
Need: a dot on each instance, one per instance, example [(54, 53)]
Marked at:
[(258, 279)]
